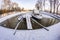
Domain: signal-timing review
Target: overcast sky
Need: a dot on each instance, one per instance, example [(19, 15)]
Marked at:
[(27, 4)]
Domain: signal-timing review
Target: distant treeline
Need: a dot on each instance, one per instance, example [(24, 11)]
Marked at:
[(7, 11)]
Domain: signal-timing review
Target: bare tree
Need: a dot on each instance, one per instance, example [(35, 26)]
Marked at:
[(57, 8), (57, 4), (54, 6), (44, 4), (50, 6), (39, 5), (6, 4)]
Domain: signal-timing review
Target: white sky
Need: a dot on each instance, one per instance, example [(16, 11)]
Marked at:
[(27, 4)]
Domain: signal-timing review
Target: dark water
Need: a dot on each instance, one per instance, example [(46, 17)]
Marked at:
[(11, 23)]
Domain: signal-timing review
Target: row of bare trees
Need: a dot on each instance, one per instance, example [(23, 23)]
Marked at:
[(8, 5), (54, 5)]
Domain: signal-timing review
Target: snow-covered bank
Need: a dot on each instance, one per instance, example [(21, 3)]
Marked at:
[(38, 34), (9, 16)]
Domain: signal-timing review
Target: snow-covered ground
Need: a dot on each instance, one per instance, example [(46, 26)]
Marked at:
[(39, 34), (51, 14)]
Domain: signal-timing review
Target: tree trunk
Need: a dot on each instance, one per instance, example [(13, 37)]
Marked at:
[(57, 11), (50, 6), (44, 5), (54, 6), (57, 7)]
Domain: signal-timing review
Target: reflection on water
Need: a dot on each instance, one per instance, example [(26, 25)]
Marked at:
[(11, 23)]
